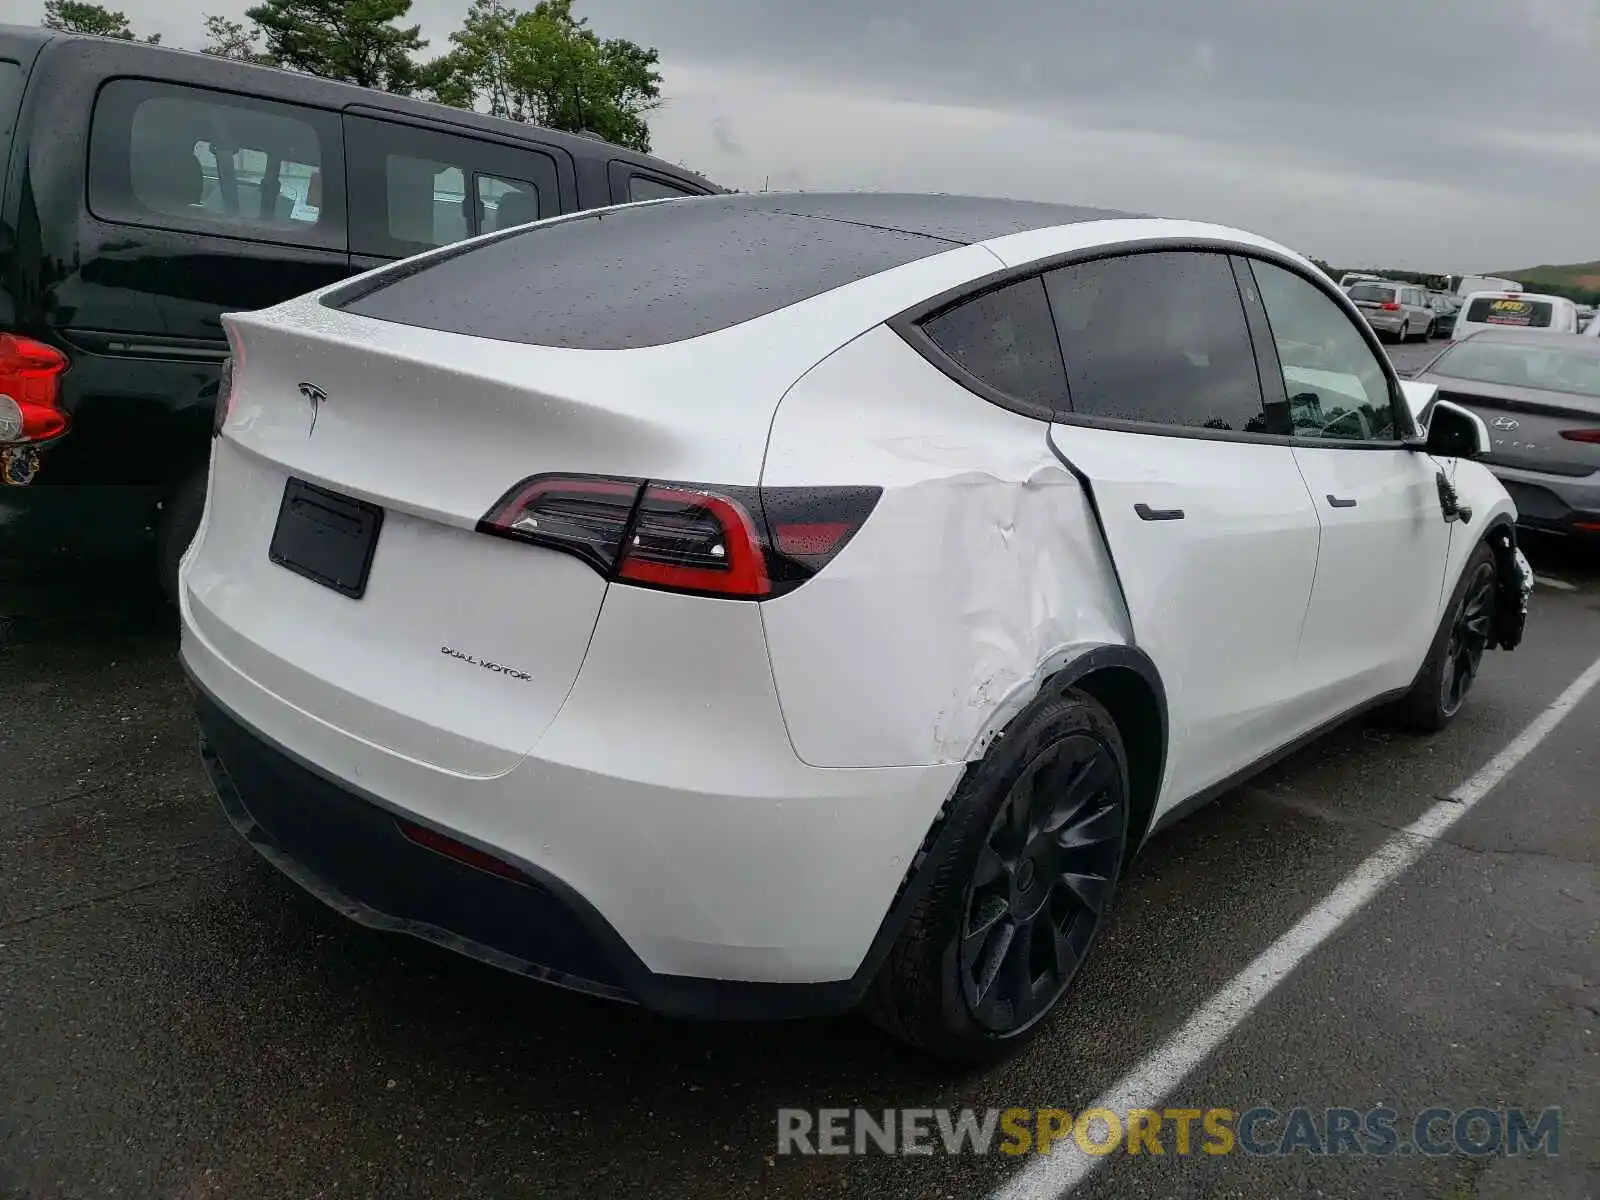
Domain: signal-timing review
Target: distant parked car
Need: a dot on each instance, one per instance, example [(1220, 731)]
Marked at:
[(1539, 394), (1445, 307), (1400, 310), (152, 190), (1350, 277), (1515, 310)]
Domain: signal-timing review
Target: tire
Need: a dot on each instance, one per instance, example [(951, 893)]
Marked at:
[(1431, 332), (180, 518), (1059, 772), (1404, 335), (1441, 687)]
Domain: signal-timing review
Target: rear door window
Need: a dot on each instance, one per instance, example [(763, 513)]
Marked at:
[(1158, 339), (1517, 313), (187, 158), (1006, 340), (414, 189)]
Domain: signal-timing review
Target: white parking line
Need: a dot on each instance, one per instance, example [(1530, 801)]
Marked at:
[(1160, 1072)]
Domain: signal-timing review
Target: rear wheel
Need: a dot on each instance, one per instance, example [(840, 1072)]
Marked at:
[(1032, 853), (1457, 652), (180, 519), (1405, 332)]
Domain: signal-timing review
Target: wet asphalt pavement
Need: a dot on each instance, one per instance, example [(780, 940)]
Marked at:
[(176, 1019)]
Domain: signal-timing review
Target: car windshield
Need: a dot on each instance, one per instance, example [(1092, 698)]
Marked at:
[(1372, 291), (1517, 365)]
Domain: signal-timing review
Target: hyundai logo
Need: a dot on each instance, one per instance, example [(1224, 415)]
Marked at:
[(314, 396), (1506, 423)]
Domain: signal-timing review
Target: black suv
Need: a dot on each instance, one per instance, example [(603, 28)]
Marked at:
[(147, 191)]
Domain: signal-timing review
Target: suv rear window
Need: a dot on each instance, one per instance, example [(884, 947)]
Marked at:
[(1521, 314), (618, 279), (1372, 292)]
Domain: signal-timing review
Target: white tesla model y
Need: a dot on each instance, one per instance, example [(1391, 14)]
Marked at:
[(774, 604)]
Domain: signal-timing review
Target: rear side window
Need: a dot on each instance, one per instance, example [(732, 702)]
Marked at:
[(1521, 314), (192, 159), (1006, 339), (643, 187), (613, 279), (1372, 293), (415, 189), (1160, 339)]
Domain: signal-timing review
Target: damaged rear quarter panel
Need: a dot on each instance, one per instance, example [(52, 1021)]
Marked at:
[(980, 572)]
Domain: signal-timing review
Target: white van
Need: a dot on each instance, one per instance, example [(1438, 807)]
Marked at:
[(1515, 310)]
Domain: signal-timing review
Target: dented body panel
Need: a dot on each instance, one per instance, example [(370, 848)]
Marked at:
[(930, 658)]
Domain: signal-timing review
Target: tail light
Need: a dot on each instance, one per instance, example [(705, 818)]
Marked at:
[(1592, 436), (30, 390), (1390, 306), (736, 543)]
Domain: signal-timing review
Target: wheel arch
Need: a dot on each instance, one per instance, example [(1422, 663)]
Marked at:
[(1125, 681)]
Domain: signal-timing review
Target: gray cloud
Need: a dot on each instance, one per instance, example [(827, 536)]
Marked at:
[(1431, 133)]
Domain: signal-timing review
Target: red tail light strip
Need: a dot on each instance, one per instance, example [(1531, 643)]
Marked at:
[(685, 537)]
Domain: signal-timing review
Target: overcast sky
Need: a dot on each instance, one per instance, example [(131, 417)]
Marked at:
[(1448, 135)]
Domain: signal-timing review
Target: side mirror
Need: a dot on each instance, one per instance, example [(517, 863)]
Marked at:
[(1456, 432)]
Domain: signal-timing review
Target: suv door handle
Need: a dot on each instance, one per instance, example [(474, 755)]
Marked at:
[(1338, 503), (1146, 513)]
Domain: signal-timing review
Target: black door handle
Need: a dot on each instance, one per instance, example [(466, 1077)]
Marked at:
[(1338, 503), (1146, 513)]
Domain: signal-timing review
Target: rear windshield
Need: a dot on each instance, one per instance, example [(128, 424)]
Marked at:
[(1371, 291), (1524, 314), (1517, 365), (632, 277)]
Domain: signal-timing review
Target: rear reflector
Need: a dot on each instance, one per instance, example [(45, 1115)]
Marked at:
[(1582, 435), (30, 390), (432, 839), (737, 543)]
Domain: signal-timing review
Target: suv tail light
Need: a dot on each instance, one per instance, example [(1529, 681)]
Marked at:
[(736, 543), (1582, 435), (1390, 306), (30, 390)]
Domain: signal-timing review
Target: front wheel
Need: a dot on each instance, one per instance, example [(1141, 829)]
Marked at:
[(1447, 675), (1030, 855)]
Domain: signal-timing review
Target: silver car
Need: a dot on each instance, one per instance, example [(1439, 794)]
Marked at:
[(1400, 310), (1539, 394)]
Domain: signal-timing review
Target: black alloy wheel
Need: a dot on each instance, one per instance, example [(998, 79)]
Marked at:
[(1042, 882), (1469, 638)]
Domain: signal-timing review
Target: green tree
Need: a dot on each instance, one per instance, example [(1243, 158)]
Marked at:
[(71, 16), (549, 67), (352, 40), (230, 39)]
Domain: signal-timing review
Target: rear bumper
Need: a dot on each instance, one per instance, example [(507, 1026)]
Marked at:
[(680, 854), (1553, 503), (1385, 322)]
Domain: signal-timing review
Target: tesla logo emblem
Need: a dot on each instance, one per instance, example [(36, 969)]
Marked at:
[(1506, 423), (314, 396)]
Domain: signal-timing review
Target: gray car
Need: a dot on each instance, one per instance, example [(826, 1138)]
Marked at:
[(1398, 310), (1539, 394)]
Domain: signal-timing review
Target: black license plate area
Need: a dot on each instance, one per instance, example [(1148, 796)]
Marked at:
[(326, 537)]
